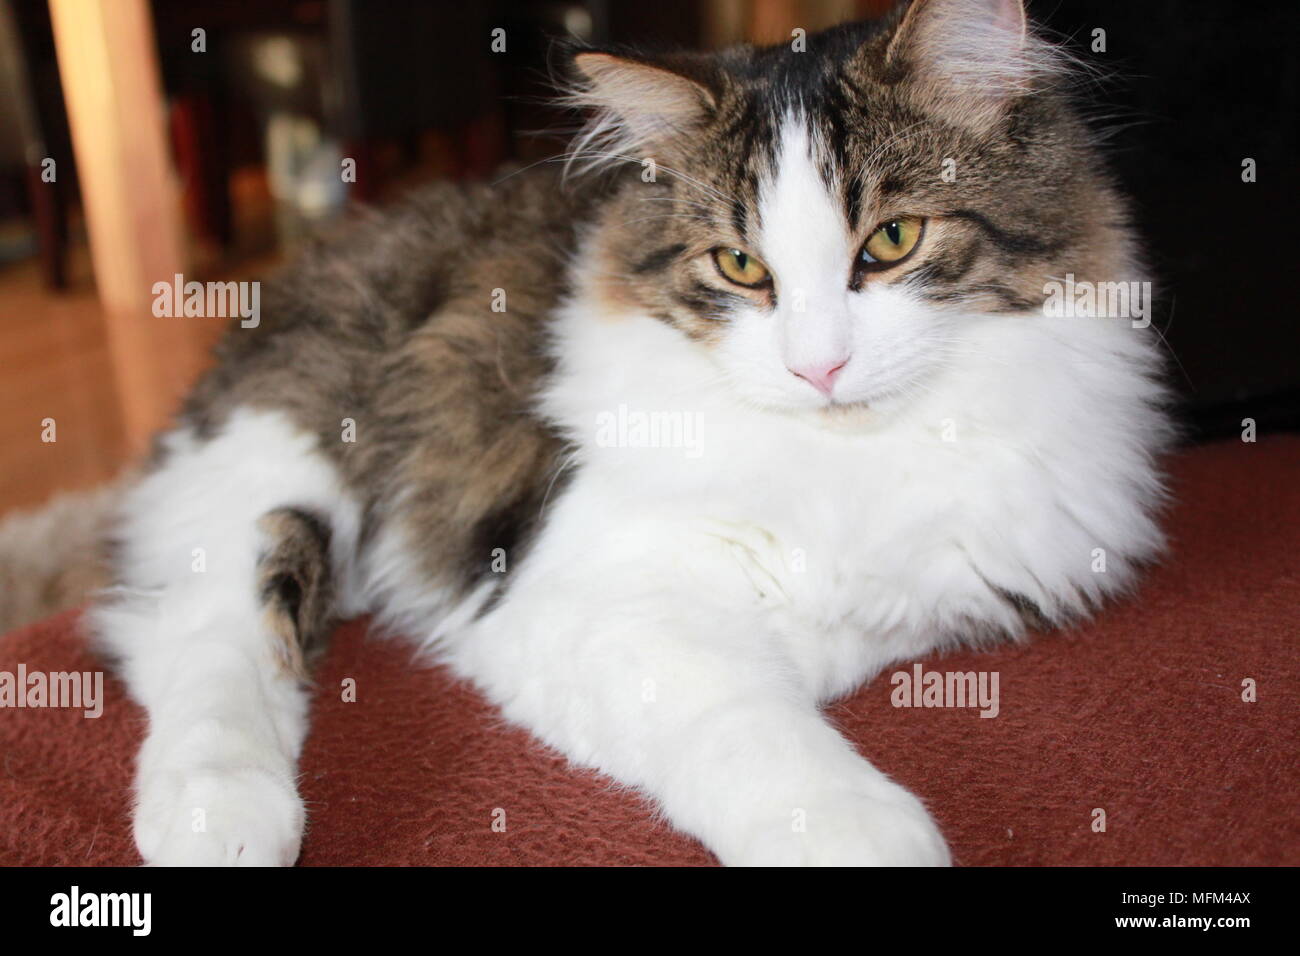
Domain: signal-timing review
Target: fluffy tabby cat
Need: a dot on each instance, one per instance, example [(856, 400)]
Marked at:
[(892, 447)]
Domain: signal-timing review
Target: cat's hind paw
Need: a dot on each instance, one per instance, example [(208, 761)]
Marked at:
[(219, 817)]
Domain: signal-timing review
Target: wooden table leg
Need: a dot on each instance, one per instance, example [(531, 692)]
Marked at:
[(112, 86)]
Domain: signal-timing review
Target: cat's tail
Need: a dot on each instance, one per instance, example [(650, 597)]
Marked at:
[(53, 557)]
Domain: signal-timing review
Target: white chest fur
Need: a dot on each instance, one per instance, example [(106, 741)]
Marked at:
[(870, 536)]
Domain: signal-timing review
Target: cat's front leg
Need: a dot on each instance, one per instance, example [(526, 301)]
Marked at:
[(693, 705), (769, 782)]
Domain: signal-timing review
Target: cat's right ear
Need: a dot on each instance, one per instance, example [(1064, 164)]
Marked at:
[(966, 59), (637, 106)]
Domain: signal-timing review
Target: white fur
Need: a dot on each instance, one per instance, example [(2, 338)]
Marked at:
[(216, 778), (686, 610)]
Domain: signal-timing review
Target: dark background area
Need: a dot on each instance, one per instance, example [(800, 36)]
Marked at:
[(1198, 86)]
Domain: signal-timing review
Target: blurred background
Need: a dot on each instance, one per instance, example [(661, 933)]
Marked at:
[(139, 140)]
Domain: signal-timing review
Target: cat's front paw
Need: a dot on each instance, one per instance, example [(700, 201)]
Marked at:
[(219, 817), (886, 827)]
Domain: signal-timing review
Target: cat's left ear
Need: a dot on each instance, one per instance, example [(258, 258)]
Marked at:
[(638, 106), (967, 58)]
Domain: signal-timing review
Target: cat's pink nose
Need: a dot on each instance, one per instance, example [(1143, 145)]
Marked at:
[(820, 377)]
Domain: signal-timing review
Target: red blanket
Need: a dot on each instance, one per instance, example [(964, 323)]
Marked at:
[(1140, 714)]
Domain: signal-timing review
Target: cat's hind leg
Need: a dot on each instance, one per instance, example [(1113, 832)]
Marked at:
[(227, 560)]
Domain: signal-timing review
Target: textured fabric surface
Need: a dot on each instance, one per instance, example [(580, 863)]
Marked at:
[(1139, 713)]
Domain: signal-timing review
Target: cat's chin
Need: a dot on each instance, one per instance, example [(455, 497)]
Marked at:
[(848, 416), (834, 416), (855, 418)]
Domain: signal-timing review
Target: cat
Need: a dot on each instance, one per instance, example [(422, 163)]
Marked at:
[(668, 445)]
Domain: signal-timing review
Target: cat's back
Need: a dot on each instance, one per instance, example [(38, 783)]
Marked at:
[(468, 262), (386, 271), (411, 345)]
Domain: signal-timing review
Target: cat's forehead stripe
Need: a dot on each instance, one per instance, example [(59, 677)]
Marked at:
[(817, 142), (804, 227)]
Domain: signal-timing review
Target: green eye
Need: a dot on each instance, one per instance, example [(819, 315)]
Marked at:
[(892, 241), (740, 267)]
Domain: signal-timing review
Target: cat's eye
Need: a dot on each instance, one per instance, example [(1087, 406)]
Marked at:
[(892, 242), (740, 267)]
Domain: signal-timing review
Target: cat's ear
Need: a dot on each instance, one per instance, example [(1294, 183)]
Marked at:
[(637, 105), (968, 56)]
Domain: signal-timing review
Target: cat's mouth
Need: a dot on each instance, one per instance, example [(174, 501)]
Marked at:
[(840, 416), (835, 411), (846, 414)]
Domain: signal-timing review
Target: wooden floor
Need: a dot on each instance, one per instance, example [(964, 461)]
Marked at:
[(55, 365)]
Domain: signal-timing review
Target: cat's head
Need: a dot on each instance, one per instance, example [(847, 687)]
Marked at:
[(823, 214)]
